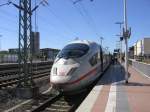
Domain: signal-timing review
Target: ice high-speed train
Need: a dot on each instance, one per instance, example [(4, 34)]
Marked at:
[(77, 65)]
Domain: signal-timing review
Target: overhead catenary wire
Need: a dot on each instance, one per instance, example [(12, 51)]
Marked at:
[(45, 21), (83, 12), (61, 20), (51, 28), (15, 31), (35, 9), (80, 12), (48, 33), (68, 27), (92, 23)]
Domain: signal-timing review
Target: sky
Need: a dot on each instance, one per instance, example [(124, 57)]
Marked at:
[(61, 21)]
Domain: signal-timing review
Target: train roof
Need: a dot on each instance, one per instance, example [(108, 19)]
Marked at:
[(87, 42)]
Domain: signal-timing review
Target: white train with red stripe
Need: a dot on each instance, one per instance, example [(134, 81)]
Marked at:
[(77, 65)]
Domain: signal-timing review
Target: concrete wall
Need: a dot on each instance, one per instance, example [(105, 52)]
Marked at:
[(141, 67)]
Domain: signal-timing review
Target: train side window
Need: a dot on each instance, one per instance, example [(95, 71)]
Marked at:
[(94, 59)]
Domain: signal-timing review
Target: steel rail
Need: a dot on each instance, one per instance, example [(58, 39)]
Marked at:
[(46, 103)]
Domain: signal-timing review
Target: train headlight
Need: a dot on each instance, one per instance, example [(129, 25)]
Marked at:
[(72, 70), (55, 71)]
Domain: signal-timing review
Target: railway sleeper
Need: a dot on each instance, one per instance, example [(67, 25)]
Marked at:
[(55, 110), (56, 106)]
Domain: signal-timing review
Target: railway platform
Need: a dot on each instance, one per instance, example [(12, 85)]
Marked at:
[(112, 94)]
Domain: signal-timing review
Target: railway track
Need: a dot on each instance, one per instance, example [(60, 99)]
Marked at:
[(13, 69), (59, 103), (12, 81), (9, 73), (51, 102), (47, 103)]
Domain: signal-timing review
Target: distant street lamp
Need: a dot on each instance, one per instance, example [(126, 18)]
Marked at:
[(107, 48), (101, 39), (0, 42)]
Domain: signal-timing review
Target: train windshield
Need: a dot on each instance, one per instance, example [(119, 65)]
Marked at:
[(73, 51)]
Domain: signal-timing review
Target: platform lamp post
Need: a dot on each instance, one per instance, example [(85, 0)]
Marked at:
[(126, 35), (118, 47), (120, 25), (120, 40), (120, 35)]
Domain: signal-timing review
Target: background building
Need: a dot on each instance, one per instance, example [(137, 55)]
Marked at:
[(142, 48), (49, 53)]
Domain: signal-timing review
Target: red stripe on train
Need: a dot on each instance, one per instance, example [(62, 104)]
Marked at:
[(93, 71)]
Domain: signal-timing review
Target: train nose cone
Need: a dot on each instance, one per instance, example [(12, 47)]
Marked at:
[(63, 66), (63, 61), (62, 72)]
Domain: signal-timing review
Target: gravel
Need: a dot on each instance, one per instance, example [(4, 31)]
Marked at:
[(8, 98)]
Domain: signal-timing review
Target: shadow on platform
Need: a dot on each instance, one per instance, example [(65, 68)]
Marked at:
[(115, 75)]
